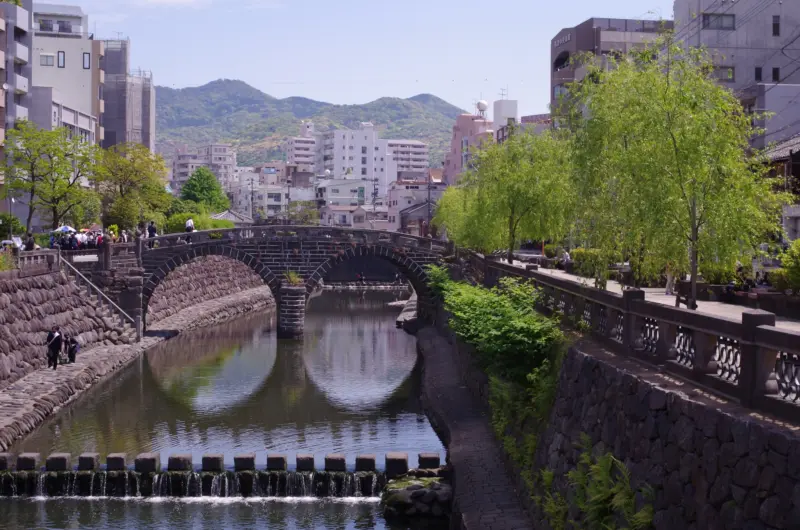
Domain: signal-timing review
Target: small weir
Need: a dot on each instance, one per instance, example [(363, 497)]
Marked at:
[(181, 479)]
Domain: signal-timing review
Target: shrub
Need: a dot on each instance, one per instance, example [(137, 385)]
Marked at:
[(43, 240), (551, 251), (6, 260), (293, 278), (779, 280), (438, 278), (717, 273), (790, 260), (113, 230), (6, 220), (177, 223)]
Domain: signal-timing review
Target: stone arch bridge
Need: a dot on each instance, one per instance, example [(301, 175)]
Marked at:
[(272, 251)]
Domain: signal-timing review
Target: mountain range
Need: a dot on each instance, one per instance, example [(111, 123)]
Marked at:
[(256, 123)]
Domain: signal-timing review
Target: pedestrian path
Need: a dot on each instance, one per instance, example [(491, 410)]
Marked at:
[(485, 494), (656, 295)]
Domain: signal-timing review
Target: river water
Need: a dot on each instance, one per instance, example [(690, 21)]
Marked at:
[(351, 386)]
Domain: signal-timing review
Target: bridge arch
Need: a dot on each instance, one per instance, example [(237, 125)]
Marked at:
[(156, 272), (411, 266)]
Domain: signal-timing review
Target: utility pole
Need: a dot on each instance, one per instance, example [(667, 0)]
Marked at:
[(252, 199)]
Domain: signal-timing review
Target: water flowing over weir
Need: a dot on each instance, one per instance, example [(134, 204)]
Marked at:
[(124, 484)]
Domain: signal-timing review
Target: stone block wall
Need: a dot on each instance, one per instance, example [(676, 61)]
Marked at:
[(204, 278), (711, 464), (30, 305)]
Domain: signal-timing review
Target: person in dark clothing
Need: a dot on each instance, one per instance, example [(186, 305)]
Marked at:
[(72, 349), (30, 243), (151, 233), (53, 347)]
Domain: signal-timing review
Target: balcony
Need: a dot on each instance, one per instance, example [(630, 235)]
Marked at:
[(20, 112), (22, 18), (20, 84), (21, 53), (102, 107), (102, 76)]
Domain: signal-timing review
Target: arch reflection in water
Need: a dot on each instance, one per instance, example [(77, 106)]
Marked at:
[(215, 377), (349, 386)]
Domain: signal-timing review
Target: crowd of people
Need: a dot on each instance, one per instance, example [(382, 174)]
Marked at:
[(61, 349)]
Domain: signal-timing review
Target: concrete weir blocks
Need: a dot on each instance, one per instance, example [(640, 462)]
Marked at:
[(213, 463), (58, 462), (147, 463), (305, 462), (429, 461), (28, 462), (244, 462), (335, 462), (396, 464), (276, 462), (179, 463), (117, 462), (89, 462), (365, 463)]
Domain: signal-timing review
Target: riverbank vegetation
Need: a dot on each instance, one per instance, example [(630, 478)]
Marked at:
[(521, 350), (651, 164)]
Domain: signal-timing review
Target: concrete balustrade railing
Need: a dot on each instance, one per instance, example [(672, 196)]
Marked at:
[(751, 361)]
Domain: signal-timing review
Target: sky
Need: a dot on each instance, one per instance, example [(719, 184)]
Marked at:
[(355, 51)]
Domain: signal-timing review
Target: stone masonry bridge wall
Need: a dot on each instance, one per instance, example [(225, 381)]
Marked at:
[(711, 463), (201, 279), (32, 301)]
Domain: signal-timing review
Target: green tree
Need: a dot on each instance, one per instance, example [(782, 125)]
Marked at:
[(65, 192), (204, 188), (663, 166), (10, 224), (133, 185), (517, 190), (304, 212)]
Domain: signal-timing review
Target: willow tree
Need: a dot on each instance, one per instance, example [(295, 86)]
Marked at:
[(663, 167), (514, 191)]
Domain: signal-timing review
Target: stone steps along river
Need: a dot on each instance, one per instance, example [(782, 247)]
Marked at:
[(181, 479)]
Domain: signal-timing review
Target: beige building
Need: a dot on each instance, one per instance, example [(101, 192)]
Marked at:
[(219, 158), (300, 150)]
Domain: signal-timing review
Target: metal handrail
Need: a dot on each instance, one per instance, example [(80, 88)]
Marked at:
[(102, 296)]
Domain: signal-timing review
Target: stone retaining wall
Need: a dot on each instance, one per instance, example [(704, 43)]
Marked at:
[(30, 305), (710, 462), (203, 278), (26, 403)]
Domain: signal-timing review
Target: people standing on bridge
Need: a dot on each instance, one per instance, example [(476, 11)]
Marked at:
[(189, 229), (30, 243), (152, 232), (53, 347)]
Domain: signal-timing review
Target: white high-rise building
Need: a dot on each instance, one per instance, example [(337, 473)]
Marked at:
[(360, 154), (301, 150)]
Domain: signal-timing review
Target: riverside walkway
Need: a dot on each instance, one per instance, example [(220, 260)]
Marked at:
[(656, 295)]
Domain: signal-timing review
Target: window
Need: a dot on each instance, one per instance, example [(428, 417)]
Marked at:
[(726, 74), (87, 61), (62, 59), (759, 73), (363, 171), (364, 150), (47, 60), (335, 190), (45, 24), (363, 160), (64, 26), (776, 75), (713, 21), (776, 26)]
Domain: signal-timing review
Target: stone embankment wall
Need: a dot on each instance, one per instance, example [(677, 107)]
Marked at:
[(711, 463), (204, 278), (30, 306)]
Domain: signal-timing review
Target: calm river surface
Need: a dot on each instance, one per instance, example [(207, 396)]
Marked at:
[(351, 385)]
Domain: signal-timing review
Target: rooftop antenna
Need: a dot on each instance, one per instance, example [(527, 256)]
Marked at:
[(504, 93)]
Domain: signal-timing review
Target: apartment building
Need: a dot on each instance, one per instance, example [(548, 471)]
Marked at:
[(219, 158), (598, 36), (265, 201), (469, 133), (754, 47), (19, 40), (301, 150), (342, 192), (362, 154), (130, 99), (67, 77), (408, 192)]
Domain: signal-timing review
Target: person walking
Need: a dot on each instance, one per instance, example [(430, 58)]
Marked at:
[(189, 229), (152, 232), (72, 349), (53, 347)]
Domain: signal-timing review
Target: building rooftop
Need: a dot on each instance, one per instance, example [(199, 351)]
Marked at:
[(57, 9), (783, 150), (342, 207)]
